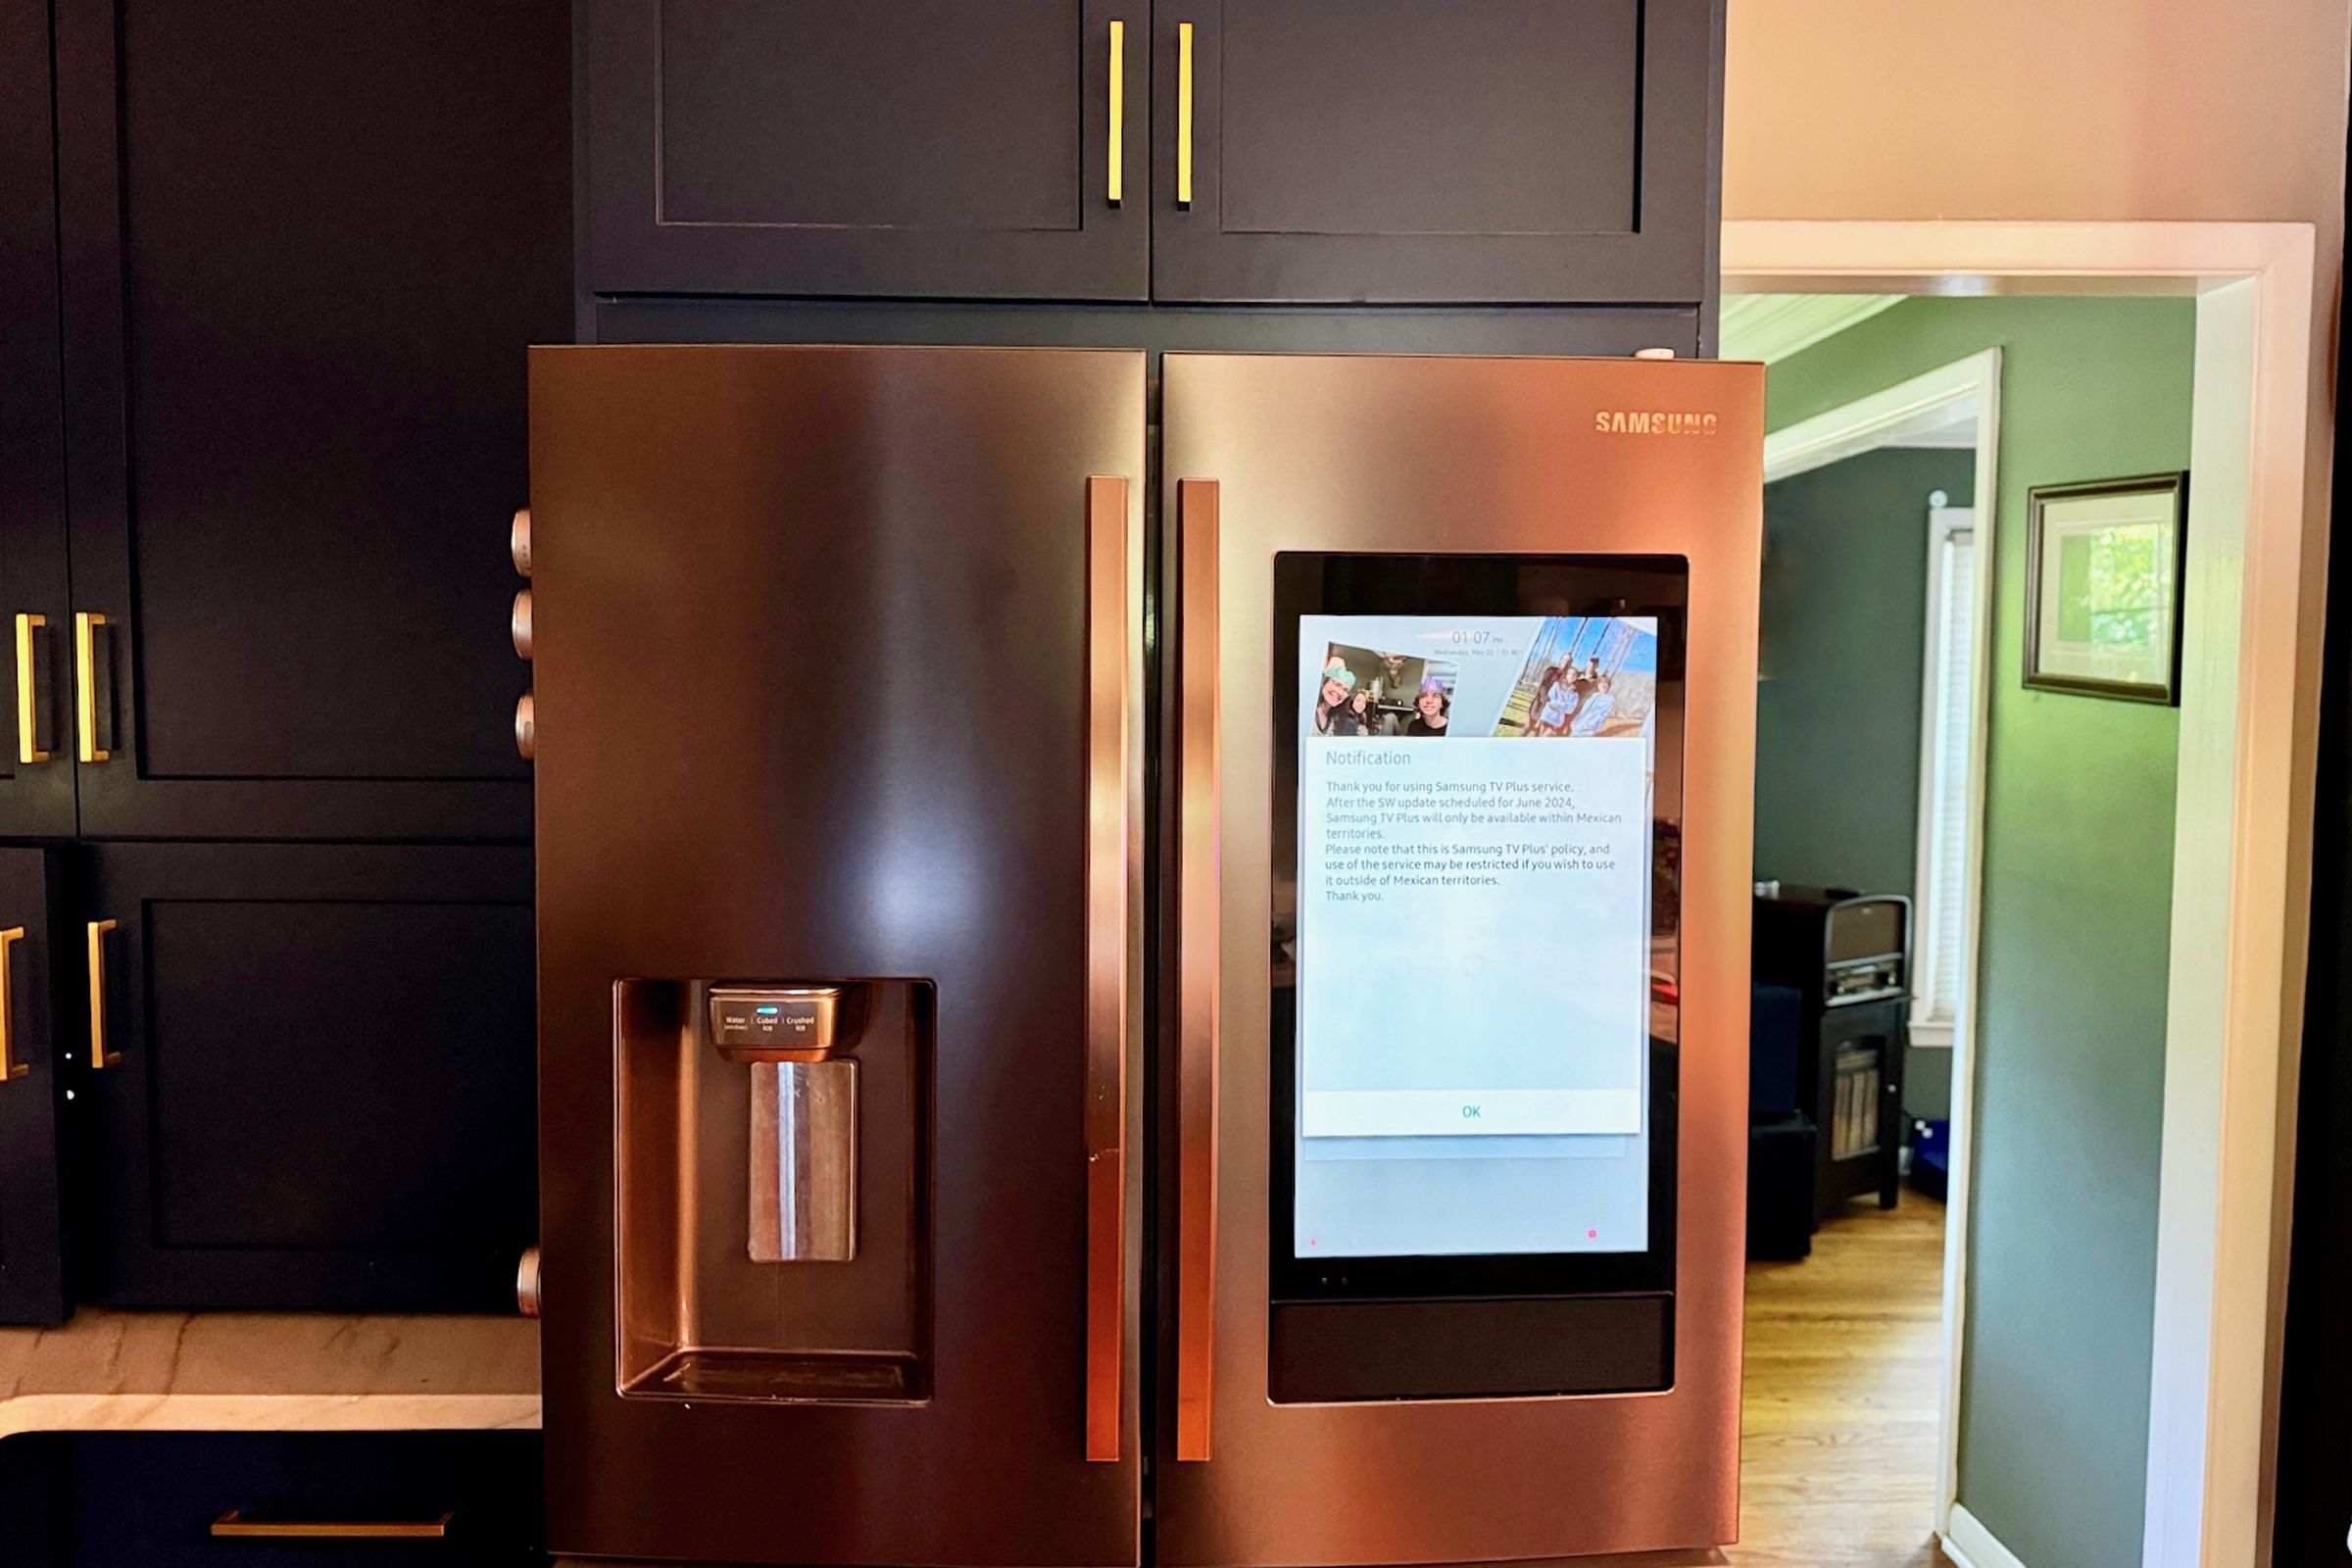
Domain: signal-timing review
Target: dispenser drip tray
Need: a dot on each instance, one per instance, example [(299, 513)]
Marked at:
[(772, 1375)]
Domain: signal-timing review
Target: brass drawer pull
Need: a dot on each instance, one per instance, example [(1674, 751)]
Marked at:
[(233, 1525), (86, 687), (9, 1066), (29, 725), (100, 1057)]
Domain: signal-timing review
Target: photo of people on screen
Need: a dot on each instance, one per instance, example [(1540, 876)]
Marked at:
[(1584, 675), (1366, 690)]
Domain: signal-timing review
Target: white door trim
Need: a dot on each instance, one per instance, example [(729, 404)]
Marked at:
[(2258, 525), (1970, 1545)]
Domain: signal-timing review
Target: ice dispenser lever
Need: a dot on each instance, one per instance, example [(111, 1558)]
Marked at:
[(804, 1132)]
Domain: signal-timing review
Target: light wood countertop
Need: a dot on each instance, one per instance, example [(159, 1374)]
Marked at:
[(269, 1371)]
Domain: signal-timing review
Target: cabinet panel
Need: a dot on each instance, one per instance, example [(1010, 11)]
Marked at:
[(36, 797), (324, 1095), (32, 1281), (305, 245), (150, 1499), (1513, 151), (829, 147)]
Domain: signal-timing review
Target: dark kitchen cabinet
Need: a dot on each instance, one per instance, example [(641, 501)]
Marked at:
[(1557, 152), (322, 1085), (1507, 151), (32, 1277), (36, 776), (158, 1499), (911, 148), (304, 246)]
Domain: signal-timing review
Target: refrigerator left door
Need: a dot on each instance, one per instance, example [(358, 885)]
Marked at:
[(32, 1271), (838, 684)]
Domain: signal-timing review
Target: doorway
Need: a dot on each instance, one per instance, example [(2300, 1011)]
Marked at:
[(1870, 783), (2246, 702)]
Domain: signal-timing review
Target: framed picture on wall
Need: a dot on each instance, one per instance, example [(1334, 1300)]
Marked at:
[(2103, 570)]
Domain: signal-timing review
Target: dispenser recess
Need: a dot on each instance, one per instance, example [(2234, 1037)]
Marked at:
[(774, 1241)]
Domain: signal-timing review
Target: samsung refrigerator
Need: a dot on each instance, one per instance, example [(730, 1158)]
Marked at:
[(1141, 973)]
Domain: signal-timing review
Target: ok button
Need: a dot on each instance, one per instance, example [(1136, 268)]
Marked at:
[(1470, 1112)]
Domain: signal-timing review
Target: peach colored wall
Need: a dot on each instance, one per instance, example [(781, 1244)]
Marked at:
[(2039, 109)]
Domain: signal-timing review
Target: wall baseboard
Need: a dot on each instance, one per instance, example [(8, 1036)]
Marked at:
[(1970, 1545)]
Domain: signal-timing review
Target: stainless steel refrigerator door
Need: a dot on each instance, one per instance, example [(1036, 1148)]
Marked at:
[(838, 675), (1434, 455)]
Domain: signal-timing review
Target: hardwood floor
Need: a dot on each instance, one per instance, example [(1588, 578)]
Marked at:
[(1837, 1452)]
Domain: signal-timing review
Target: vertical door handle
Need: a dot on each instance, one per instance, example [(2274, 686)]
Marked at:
[(1184, 115), (9, 1066), (85, 686), (1113, 849), (1115, 179), (100, 1057), (29, 725), (1198, 999)]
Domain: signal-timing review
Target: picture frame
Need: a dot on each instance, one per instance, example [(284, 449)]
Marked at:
[(2104, 560)]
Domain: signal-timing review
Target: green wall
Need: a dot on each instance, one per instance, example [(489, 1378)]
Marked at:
[(1845, 632), (2076, 917)]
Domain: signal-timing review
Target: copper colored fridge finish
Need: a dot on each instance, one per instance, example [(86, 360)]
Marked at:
[(839, 679), (833, 684), (1282, 453)]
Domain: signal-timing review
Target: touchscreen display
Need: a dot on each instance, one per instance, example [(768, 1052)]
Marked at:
[(1475, 963)]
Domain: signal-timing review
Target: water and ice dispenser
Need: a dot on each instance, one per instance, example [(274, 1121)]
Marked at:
[(772, 1240)]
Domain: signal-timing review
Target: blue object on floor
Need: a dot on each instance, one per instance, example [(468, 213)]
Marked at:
[(1932, 1156)]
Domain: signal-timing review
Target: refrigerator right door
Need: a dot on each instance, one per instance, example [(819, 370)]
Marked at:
[(1460, 684)]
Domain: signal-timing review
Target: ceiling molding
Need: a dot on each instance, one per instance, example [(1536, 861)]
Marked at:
[(1772, 326)]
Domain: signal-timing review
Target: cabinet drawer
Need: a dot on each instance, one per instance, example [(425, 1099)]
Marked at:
[(148, 1500)]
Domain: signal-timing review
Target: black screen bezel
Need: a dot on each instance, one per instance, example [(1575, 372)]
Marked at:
[(1345, 583)]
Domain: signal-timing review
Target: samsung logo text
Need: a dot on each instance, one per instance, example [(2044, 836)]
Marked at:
[(1619, 421)]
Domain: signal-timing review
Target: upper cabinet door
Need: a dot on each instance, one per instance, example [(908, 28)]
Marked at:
[(304, 246), (1436, 151), (36, 776), (914, 148)]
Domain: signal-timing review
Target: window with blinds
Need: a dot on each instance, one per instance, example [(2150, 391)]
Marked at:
[(1939, 978)]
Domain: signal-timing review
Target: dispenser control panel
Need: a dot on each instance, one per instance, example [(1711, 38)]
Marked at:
[(774, 1019)]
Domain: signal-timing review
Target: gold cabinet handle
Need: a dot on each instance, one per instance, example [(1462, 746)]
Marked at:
[(518, 540), (28, 728), (233, 1525), (100, 1057), (1184, 115), (86, 688), (526, 727), (519, 624), (9, 1066), (1114, 183)]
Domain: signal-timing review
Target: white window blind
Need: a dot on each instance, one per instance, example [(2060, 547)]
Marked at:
[(1940, 910)]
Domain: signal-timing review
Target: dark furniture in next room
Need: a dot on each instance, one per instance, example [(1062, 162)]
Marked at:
[(1846, 955)]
